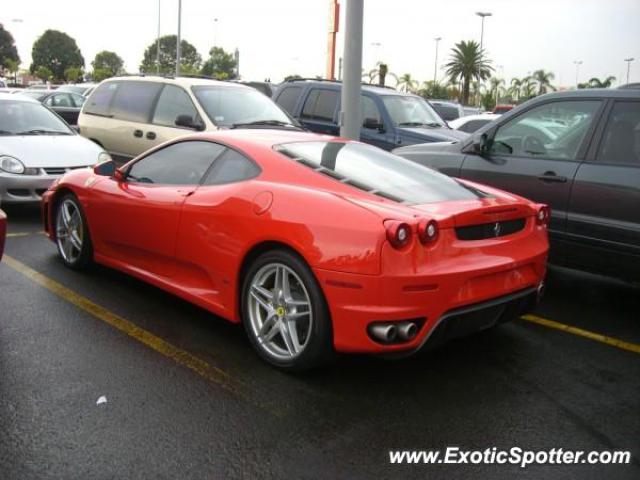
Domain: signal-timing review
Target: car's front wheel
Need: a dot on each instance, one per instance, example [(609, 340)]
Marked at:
[(284, 312), (72, 233)]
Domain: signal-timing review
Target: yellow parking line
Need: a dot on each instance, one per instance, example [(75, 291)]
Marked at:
[(202, 368), (614, 342), (23, 234)]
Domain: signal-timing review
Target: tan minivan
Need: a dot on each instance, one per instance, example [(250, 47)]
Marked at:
[(129, 115)]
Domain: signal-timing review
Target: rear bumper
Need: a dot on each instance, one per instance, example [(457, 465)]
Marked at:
[(458, 299)]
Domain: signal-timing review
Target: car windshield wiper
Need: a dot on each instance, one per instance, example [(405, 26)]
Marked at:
[(264, 123), (420, 124), (39, 131)]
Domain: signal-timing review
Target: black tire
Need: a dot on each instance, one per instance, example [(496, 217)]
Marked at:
[(84, 258), (319, 349)]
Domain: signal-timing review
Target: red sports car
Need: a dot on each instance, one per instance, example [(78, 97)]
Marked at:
[(3, 231), (316, 244)]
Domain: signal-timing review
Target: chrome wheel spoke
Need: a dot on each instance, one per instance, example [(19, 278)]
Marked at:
[(263, 296), (75, 241), (269, 328), (297, 315), (69, 232), (289, 335)]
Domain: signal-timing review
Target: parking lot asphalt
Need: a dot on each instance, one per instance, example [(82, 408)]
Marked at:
[(186, 397)]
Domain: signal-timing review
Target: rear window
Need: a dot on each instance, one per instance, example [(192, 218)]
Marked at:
[(377, 171), (134, 100), (447, 112), (288, 98)]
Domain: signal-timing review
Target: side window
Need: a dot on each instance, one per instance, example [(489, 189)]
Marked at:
[(173, 101), (60, 100), (553, 131), (369, 110), (231, 167), (134, 100), (100, 101), (288, 98), (621, 139), (77, 100), (320, 105), (182, 163)]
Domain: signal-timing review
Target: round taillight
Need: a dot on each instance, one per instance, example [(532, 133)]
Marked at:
[(398, 233), (543, 215), (427, 231)]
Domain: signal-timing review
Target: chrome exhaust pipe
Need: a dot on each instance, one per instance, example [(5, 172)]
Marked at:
[(541, 288), (407, 331), (384, 332)]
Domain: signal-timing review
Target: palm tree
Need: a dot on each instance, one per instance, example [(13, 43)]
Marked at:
[(467, 62), (379, 74), (543, 79), (406, 83), (496, 87), (527, 88), (597, 83), (514, 89)]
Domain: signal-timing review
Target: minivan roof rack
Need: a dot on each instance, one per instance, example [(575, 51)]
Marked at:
[(335, 81)]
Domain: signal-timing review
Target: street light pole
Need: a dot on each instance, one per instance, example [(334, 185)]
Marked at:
[(482, 15), (351, 87), (178, 52), (628, 60), (158, 42), (435, 66), (577, 63), (215, 32)]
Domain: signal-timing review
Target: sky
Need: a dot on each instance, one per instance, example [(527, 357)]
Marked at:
[(281, 37)]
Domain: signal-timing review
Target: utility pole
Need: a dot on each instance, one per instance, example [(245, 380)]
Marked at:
[(577, 64), (334, 23), (178, 52), (435, 66), (158, 42), (628, 60), (351, 87), (482, 15)]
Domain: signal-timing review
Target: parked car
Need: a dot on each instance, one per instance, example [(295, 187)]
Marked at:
[(314, 243), (36, 148), (472, 110), (577, 151), (83, 89), (3, 231), (447, 110), (129, 115), (65, 104), (471, 123), (389, 118), (500, 109), (42, 86)]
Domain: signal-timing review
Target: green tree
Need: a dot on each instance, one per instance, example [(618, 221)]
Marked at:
[(406, 83), (190, 58), (43, 73), (57, 51), (543, 79), (434, 90), (293, 76), (73, 74), (597, 83), (527, 88), (220, 64), (108, 63), (496, 89), (467, 62), (514, 89), (8, 50), (13, 66), (100, 74)]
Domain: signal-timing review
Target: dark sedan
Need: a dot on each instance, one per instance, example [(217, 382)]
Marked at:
[(65, 104), (578, 152)]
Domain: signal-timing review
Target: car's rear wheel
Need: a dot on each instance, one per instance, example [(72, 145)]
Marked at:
[(72, 235), (284, 312)]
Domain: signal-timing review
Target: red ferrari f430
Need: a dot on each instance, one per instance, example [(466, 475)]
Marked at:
[(315, 244)]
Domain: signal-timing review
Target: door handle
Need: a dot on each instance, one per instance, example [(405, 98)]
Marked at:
[(137, 133), (151, 135), (551, 177)]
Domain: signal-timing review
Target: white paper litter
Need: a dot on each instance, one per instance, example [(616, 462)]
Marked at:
[(101, 400)]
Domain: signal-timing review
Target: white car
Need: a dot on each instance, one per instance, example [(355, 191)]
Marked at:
[(471, 123), (37, 147)]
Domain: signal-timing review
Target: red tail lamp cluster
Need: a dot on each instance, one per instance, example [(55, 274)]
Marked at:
[(399, 234), (543, 215)]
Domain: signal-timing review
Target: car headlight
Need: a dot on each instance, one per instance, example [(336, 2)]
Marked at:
[(104, 157), (11, 165)]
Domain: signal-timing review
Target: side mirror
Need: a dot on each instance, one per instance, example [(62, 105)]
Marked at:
[(373, 124), (480, 145), (105, 169), (188, 121)]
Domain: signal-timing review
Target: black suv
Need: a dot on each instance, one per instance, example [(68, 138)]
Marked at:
[(390, 118), (578, 152)]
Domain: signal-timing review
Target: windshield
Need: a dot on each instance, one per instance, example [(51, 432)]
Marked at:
[(407, 111), (227, 106), (377, 171), (27, 118)]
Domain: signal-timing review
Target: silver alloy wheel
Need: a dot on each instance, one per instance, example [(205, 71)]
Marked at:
[(69, 231), (280, 311)]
